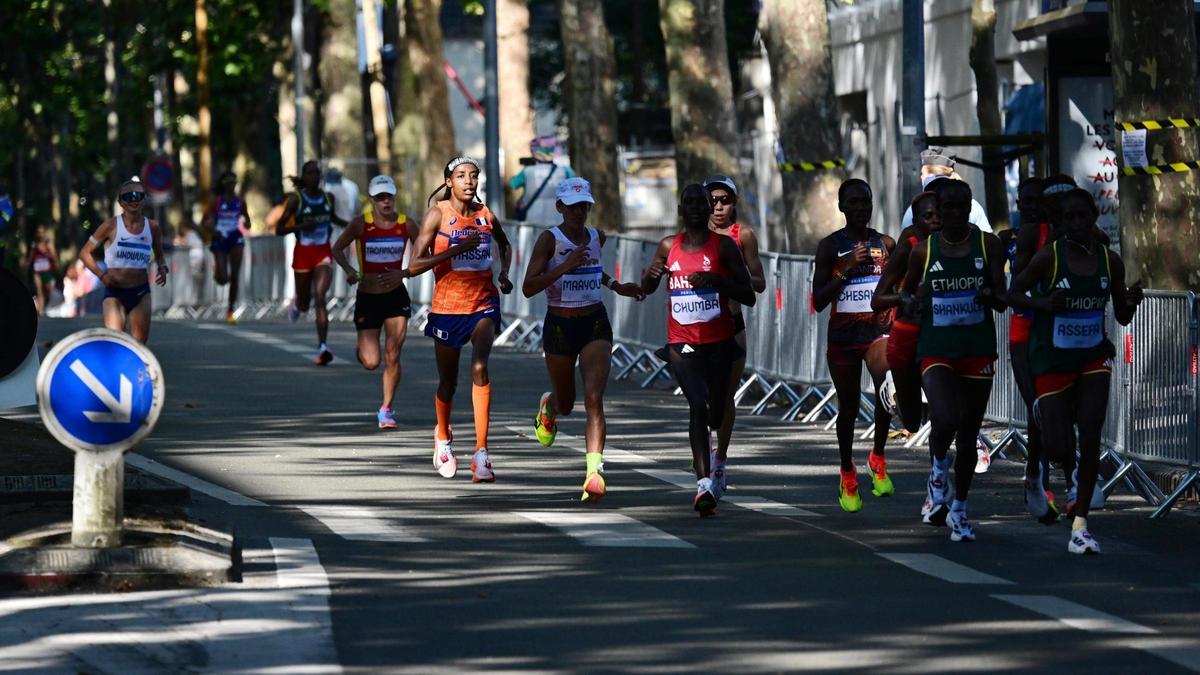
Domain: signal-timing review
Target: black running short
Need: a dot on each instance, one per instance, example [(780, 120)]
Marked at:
[(371, 309), (567, 336)]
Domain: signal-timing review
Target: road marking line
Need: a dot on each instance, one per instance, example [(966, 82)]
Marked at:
[(198, 484), (600, 528), (1076, 615), (298, 567), (769, 507), (946, 570), (269, 341), (577, 444), (356, 523), (677, 477)]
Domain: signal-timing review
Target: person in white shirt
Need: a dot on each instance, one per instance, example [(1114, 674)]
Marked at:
[(935, 164)]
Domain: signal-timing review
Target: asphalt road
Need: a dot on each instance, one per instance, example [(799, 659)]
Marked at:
[(360, 557)]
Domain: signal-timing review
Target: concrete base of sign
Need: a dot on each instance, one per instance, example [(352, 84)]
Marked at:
[(152, 555)]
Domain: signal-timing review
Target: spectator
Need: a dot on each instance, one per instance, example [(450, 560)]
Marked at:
[(537, 203), (935, 164)]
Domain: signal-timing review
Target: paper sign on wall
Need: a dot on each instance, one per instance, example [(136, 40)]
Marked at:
[(1133, 147)]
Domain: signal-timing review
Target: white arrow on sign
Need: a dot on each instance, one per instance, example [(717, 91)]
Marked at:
[(119, 412)]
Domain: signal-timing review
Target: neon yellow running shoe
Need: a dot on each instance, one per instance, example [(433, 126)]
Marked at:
[(593, 487), (848, 496), (544, 425), (881, 482)]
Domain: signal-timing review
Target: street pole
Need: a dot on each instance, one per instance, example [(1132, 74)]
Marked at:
[(495, 181), (912, 123), (298, 77)]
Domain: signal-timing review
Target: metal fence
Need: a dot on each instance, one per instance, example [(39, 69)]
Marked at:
[(1153, 412)]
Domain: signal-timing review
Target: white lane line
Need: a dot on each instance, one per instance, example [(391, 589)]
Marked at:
[(946, 570), (1076, 615), (600, 528), (356, 523), (199, 485), (270, 341), (769, 507), (298, 569), (577, 444), (677, 477)]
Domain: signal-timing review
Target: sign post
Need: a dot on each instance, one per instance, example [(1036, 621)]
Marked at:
[(99, 393)]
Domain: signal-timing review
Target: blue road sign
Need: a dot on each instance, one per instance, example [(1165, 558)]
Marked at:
[(100, 390)]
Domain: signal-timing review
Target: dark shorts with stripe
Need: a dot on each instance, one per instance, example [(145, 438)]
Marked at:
[(128, 297), (372, 309), (567, 336)]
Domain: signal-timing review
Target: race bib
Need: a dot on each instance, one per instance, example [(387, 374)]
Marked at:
[(228, 224), (317, 237), (478, 259), (582, 285), (695, 305), (1078, 330), (384, 250), (957, 309), (855, 295), (41, 265)]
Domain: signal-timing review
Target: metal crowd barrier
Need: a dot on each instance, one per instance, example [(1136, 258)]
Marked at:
[(1153, 413)]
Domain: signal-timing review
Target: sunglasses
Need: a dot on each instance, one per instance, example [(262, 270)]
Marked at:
[(724, 199), (133, 197)]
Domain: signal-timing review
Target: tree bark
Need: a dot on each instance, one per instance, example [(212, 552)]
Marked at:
[(376, 94), (701, 90), (796, 34), (987, 106), (427, 126), (590, 101), (340, 85), (516, 106), (1154, 77), (203, 113), (112, 121)]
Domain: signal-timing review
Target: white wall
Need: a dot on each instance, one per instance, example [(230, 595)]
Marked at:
[(867, 49)]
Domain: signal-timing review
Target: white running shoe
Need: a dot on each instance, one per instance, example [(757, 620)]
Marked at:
[(937, 499), (1098, 497), (443, 455), (1082, 542), (481, 467), (960, 527), (1035, 495), (705, 502), (717, 475), (887, 395), (983, 454)]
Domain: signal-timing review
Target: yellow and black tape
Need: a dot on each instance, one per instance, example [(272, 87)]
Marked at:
[(1155, 125), (1174, 167), (811, 166)]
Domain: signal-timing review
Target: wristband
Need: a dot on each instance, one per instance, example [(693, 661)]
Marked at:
[(94, 241)]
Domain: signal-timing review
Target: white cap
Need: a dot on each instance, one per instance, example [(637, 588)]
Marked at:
[(380, 185), (721, 181), (574, 190)]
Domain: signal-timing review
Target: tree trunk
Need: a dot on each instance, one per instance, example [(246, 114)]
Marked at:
[(204, 115), (987, 106), (1154, 77), (376, 94), (427, 127), (702, 117), (111, 92), (516, 106), (590, 101), (340, 85), (796, 34)]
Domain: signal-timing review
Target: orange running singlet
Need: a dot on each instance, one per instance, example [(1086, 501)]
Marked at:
[(464, 283)]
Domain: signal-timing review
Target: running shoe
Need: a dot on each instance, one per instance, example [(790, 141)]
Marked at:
[(960, 527), (881, 482), (887, 395), (594, 486), (1082, 542), (717, 475), (984, 457), (848, 497), (936, 506), (385, 419), (705, 502), (1035, 495), (293, 312), (324, 356), (1098, 496), (231, 318), (545, 426), (481, 467), (443, 455)]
